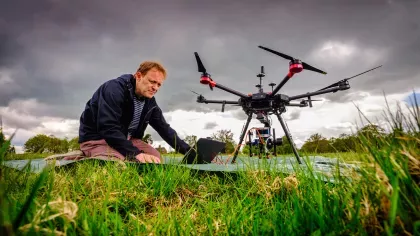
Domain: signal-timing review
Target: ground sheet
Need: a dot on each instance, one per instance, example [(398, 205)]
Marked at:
[(318, 166)]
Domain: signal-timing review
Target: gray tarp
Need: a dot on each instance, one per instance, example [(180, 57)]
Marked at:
[(321, 167)]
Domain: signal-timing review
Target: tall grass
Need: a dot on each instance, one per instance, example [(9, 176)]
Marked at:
[(99, 198)]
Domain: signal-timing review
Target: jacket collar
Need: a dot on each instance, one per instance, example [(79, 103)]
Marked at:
[(131, 85)]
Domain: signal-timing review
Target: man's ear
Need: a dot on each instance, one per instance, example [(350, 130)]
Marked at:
[(138, 75)]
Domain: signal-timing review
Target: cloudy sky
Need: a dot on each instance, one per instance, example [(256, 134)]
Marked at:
[(55, 53)]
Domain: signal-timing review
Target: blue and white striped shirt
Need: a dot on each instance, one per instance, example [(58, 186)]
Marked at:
[(138, 107)]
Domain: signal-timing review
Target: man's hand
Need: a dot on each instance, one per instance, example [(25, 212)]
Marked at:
[(146, 158)]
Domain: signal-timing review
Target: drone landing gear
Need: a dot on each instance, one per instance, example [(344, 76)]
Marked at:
[(241, 138), (289, 136), (286, 131), (262, 150)]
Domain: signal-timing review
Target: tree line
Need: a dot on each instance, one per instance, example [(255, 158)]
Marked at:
[(3, 140), (316, 143), (368, 135)]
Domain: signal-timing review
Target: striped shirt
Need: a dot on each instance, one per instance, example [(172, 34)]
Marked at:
[(138, 107)]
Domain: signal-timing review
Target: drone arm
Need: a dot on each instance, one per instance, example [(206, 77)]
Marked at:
[(206, 80), (230, 90), (296, 105), (329, 90), (282, 83), (203, 100)]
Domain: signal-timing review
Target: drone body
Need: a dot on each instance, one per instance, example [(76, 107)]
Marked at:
[(264, 104)]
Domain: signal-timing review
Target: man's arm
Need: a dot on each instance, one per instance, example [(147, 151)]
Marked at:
[(110, 105), (158, 122)]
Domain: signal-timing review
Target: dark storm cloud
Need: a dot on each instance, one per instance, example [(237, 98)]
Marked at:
[(240, 115), (294, 115), (60, 51), (346, 97), (210, 125)]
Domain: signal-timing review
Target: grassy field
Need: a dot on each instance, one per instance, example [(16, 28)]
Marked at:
[(102, 199)]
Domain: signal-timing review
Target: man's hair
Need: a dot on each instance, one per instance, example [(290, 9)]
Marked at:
[(148, 65)]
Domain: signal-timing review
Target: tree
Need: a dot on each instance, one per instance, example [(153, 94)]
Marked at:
[(36, 144), (191, 140), (3, 141), (2, 138), (372, 134), (285, 148), (147, 138), (56, 145), (317, 144), (225, 136), (74, 144), (161, 150), (371, 131)]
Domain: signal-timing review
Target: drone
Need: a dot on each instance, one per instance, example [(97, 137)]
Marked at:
[(265, 104)]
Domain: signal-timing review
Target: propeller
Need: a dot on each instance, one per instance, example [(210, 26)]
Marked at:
[(195, 93), (305, 65), (200, 97), (202, 69), (344, 80)]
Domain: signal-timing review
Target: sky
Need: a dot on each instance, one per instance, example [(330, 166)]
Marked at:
[(54, 54)]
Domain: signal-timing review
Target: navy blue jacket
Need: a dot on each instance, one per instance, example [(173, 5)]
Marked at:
[(108, 114)]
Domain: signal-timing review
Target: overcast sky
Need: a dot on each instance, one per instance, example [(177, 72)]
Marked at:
[(54, 54)]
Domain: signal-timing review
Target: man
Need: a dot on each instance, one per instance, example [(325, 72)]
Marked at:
[(115, 118)]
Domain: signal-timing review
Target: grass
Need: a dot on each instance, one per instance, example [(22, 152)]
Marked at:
[(104, 198)]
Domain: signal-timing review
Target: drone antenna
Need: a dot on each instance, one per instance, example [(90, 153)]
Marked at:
[(195, 92), (260, 75), (346, 79)]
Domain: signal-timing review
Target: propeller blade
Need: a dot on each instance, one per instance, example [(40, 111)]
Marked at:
[(305, 65), (343, 80), (200, 65), (309, 67), (277, 53), (316, 100)]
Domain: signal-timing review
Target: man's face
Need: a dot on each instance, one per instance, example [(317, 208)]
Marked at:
[(147, 85)]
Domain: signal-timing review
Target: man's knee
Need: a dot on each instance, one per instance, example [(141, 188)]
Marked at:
[(99, 148)]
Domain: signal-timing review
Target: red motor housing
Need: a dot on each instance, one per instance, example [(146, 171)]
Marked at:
[(295, 66), (205, 80)]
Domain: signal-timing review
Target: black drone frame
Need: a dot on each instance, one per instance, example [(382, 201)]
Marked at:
[(264, 104)]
